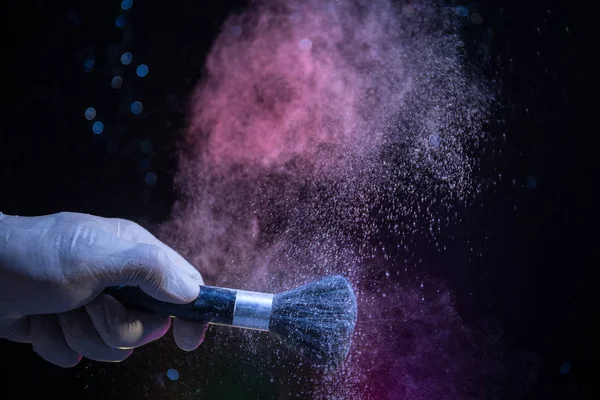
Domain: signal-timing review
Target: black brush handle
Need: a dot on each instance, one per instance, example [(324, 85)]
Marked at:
[(213, 304)]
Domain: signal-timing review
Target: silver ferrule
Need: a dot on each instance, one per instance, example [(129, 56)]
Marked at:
[(252, 310)]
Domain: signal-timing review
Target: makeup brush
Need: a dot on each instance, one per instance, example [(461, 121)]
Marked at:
[(316, 320)]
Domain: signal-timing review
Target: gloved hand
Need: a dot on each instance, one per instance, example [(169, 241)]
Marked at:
[(53, 270)]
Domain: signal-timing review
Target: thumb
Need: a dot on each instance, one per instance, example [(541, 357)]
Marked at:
[(160, 276)]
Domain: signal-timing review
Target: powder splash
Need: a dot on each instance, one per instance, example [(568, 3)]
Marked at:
[(319, 128), (297, 82)]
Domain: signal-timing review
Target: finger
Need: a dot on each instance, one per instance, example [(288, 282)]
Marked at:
[(15, 329), (49, 343), (188, 335), (129, 230), (82, 337), (121, 328), (149, 267), (182, 264)]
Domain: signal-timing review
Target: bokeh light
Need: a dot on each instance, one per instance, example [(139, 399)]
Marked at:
[(151, 179), (136, 107), (565, 368), (88, 65), (530, 182), (116, 82), (126, 58), (173, 374), (142, 70), (90, 113), (120, 21), (462, 11), (126, 4), (98, 127)]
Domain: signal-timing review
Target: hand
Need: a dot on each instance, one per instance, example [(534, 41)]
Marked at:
[(53, 270)]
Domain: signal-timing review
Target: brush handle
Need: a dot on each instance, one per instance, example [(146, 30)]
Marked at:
[(214, 305)]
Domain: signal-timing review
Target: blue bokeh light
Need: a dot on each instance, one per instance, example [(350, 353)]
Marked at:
[(116, 82), (136, 107), (120, 21), (151, 179), (126, 58), (98, 127), (173, 374), (126, 4), (88, 65), (90, 113), (565, 368), (142, 70), (530, 182), (462, 11)]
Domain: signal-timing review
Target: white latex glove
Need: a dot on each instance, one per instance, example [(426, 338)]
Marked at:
[(53, 270)]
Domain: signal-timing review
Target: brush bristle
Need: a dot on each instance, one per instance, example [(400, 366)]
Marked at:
[(317, 320)]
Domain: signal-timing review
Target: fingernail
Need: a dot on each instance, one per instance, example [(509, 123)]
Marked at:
[(187, 343)]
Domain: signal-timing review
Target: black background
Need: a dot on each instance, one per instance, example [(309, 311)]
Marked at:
[(542, 237)]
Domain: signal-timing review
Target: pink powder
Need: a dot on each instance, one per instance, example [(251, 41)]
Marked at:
[(317, 124)]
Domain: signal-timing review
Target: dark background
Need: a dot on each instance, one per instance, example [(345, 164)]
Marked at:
[(541, 237)]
